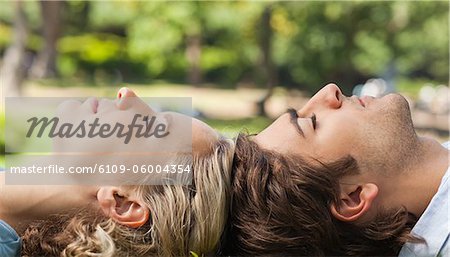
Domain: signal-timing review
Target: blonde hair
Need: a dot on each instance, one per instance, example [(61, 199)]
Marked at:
[(183, 218)]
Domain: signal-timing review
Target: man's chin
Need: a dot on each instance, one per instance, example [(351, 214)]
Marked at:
[(397, 98), (397, 103), (401, 111)]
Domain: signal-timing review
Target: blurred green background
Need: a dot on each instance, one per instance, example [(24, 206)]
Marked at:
[(242, 62)]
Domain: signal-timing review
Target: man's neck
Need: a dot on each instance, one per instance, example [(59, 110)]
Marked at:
[(419, 182)]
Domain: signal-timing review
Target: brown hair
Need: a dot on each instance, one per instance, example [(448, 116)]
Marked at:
[(183, 218), (280, 206)]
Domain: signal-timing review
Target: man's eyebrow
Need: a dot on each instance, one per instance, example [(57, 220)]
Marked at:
[(293, 116)]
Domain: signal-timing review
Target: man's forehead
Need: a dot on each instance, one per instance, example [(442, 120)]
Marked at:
[(278, 136)]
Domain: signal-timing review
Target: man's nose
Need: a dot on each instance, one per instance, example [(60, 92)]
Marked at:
[(329, 97)]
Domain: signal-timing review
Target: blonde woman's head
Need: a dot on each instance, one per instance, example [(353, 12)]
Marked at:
[(178, 218)]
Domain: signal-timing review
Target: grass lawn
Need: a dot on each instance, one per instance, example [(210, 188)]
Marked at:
[(232, 127)]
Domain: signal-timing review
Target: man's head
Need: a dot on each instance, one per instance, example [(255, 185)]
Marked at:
[(309, 184), (376, 132)]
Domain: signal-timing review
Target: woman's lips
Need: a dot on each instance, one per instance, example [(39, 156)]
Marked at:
[(93, 102)]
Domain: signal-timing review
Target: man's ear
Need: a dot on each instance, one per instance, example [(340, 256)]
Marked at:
[(354, 202), (123, 206)]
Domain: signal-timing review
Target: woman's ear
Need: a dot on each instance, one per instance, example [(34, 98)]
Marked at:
[(354, 202), (123, 206)]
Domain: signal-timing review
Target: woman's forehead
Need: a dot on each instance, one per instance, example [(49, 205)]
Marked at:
[(203, 137)]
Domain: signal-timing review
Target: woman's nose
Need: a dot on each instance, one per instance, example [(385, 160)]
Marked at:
[(125, 92), (126, 98), (329, 96)]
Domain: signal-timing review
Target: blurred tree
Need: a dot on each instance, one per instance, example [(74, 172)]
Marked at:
[(349, 42), (44, 64), (193, 38), (296, 44), (184, 40), (12, 71), (265, 45), (156, 37), (193, 54), (231, 53)]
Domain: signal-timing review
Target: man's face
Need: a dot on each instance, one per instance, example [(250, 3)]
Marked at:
[(375, 131)]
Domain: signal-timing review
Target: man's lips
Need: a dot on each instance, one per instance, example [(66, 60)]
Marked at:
[(365, 100), (362, 102), (356, 100)]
